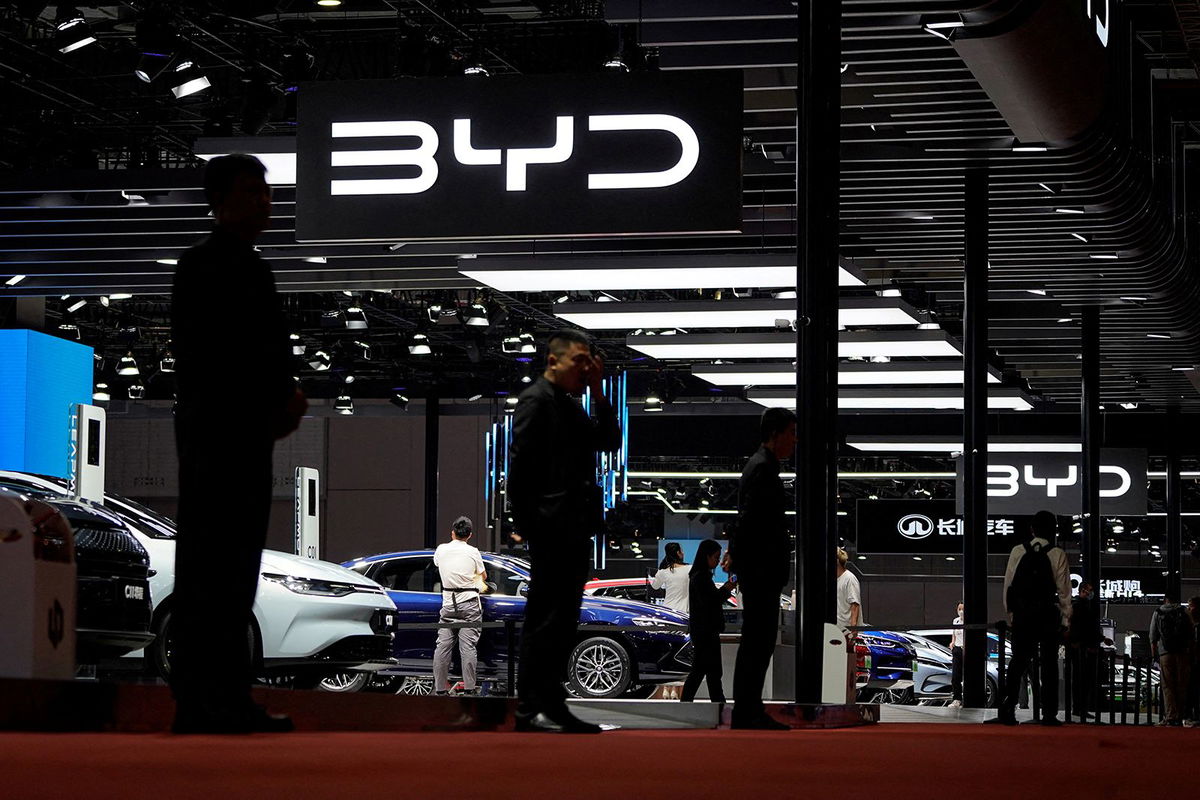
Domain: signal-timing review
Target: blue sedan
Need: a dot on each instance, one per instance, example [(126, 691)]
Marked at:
[(604, 663)]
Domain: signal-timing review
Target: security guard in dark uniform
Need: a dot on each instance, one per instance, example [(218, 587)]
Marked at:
[(557, 507), (760, 555), (225, 449)]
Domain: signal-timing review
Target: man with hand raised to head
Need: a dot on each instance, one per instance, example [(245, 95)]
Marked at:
[(557, 508)]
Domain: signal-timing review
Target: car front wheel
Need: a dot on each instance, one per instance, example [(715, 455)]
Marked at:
[(342, 682), (161, 650), (599, 667)]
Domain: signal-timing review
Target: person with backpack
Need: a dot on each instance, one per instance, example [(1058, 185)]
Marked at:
[(1037, 597), (1171, 640)]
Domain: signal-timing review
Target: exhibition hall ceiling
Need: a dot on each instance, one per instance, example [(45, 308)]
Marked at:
[(99, 191)]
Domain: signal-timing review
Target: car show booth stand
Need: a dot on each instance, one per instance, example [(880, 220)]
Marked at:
[(41, 705)]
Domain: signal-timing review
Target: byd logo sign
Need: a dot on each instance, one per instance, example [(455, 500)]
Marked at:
[(1099, 11), (1006, 480), (1032, 481), (519, 156), (515, 160)]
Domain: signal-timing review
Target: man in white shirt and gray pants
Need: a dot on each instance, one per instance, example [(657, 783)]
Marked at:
[(462, 574)]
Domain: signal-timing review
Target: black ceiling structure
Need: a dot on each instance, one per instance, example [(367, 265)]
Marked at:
[(99, 188)]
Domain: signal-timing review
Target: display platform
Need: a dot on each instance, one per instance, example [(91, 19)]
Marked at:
[(32, 705), (817, 715), (36, 705)]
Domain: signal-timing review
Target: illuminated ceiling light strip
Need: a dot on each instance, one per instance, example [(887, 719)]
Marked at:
[(852, 312), (630, 273), (899, 444), (281, 167), (906, 398), (852, 374), (633, 474), (851, 344)]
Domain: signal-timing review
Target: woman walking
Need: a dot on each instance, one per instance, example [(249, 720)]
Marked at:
[(706, 623)]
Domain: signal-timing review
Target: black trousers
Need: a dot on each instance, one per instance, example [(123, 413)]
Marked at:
[(956, 673), (706, 666), (760, 621), (550, 632), (224, 508), (1034, 647), (1083, 679)]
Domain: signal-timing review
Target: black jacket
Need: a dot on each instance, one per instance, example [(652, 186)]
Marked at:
[(705, 602), (1085, 623), (761, 547), (227, 325), (552, 463)]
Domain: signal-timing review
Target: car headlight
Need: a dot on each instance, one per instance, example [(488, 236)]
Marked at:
[(311, 585), (652, 622)]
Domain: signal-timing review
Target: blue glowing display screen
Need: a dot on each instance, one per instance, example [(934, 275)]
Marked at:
[(42, 378)]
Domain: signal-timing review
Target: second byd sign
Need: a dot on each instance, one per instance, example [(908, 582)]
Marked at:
[(1025, 483), (561, 155)]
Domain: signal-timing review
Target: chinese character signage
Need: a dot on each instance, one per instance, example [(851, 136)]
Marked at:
[(926, 526), (1132, 585)]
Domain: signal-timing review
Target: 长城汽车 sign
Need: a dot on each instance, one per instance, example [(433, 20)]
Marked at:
[(511, 156), (1025, 483), (926, 527)]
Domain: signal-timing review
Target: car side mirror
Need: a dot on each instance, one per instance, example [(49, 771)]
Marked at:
[(523, 589)]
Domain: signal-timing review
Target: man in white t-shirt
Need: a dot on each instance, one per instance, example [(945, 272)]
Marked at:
[(462, 574), (849, 595)]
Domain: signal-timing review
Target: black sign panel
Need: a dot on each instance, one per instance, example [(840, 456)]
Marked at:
[(1025, 483), (926, 526), (507, 156), (1135, 585)]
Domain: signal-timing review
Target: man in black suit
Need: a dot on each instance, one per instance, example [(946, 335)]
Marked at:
[(760, 555), (557, 508), (225, 449)]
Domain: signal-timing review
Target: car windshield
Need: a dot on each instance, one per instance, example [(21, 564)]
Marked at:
[(152, 523)]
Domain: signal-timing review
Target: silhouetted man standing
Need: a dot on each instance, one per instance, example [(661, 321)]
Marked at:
[(225, 451), (760, 555), (557, 507)]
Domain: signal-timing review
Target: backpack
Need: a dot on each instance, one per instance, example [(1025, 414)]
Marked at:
[(1175, 629), (1033, 592)]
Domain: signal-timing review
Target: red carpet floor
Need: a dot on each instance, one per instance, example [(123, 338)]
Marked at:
[(962, 762)]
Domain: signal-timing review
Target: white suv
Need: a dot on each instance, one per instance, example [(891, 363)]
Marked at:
[(326, 625)]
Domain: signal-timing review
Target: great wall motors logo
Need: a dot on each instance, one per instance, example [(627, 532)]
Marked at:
[(915, 526)]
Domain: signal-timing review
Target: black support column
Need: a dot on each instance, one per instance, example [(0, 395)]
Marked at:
[(432, 426), (817, 172), (975, 419), (1090, 436), (1174, 522)]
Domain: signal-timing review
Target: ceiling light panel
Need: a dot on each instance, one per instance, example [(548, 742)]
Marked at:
[(895, 399), (852, 313), (853, 374), (861, 344), (947, 445), (635, 273)]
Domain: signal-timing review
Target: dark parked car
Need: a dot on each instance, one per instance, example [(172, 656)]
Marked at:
[(113, 594), (603, 663)]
